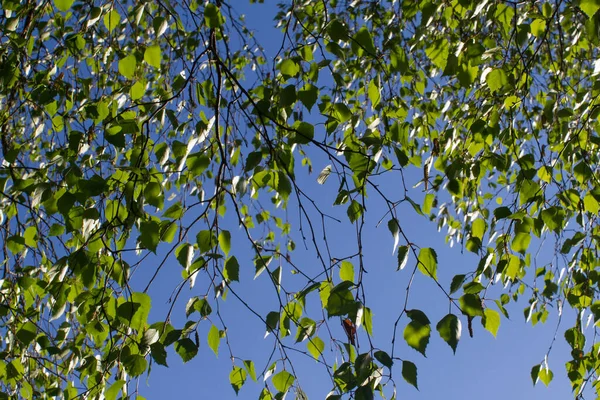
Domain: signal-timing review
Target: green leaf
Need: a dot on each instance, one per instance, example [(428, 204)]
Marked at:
[(427, 262), (438, 53), (402, 257), (63, 5), (470, 304), (367, 320), (496, 80), (134, 313), (114, 389), (355, 211), (384, 358), (214, 339), (417, 336), (159, 354), (237, 377), (450, 329), (347, 271), (27, 333), (212, 16), (127, 66), (186, 348), (150, 235), (409, 373), (206, 241), (591, 204), (289, 67), (283, 381), (305, 132), (225, 241), (184, 254), (232, 269), (134, 364), (308, 95), (249, 365), (589, 7), (111, 20), (315, 347), (456, 283), (362, 42), (340, 301), (374, 93), (491, 321), (545, 376), (153, 56), (428, 203)]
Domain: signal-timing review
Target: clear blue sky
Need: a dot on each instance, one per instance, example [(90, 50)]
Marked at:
[(483, 367)]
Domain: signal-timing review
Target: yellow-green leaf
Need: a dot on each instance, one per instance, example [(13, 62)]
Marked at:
[(491, 321), (315, 347), (63, 5), (214, 339), (127, 66), (347, 271), (589, 7), (225, 241), (427, 262), (111, 19), (152, 56)]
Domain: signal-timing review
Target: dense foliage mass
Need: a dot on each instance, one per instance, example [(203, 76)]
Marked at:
[(135, 131)]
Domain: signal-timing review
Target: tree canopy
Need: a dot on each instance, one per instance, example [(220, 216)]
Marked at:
[(143, 135)]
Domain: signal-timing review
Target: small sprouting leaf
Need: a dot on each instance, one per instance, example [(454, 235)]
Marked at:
[(214, 339), (545, 376), (409, 373), (402, 257), (450, 329), (417, 336), (237, 377), (283, 381), (152, 56), (127, 66), (427, 262), (384, 358), (315, 347), (491, 321)]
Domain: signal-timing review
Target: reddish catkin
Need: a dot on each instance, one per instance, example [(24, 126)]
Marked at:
[(350, 330)]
